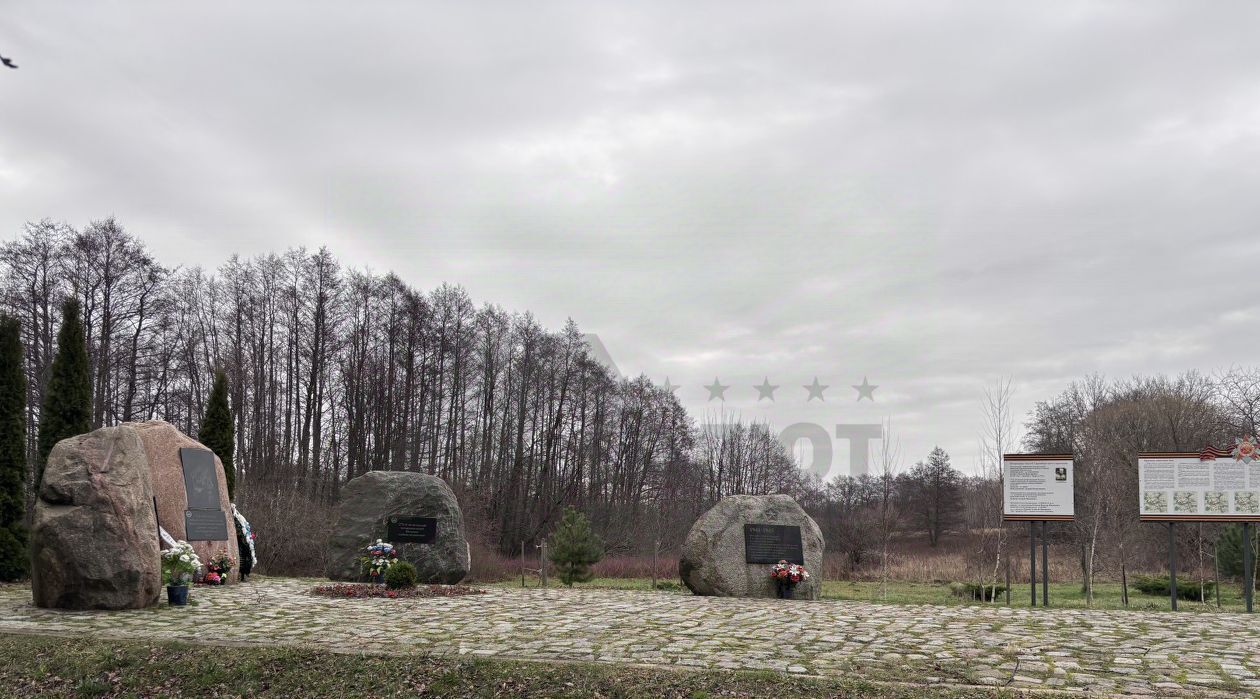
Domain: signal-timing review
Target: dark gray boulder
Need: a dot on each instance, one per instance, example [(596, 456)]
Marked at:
[(712, 560), (366, 504), (94, 535)]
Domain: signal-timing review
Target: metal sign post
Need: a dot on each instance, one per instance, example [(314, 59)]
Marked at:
[(1045, 568), (1032, 561), (1249, 567), (1172, 565)]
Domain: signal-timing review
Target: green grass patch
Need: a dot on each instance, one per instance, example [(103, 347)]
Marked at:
[(62, 667)]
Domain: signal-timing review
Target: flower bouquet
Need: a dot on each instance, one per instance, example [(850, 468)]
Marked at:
[(380, 556), (786, 576), (179, 565), (217, 569)]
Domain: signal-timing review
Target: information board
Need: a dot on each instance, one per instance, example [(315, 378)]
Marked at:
[(1037, 487), (1193, 486)]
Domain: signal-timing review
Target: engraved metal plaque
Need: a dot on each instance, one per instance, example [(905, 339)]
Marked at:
[(201, 479), (407, 529), (771, 543), (205, 525)]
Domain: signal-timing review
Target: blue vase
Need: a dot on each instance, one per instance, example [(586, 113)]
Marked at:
[(177, 595)]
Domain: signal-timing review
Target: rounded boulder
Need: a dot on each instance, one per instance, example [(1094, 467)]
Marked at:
[(367, 504), (713, 560), (94, 536)]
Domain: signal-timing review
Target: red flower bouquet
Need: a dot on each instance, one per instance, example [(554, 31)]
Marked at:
[(786, 576)]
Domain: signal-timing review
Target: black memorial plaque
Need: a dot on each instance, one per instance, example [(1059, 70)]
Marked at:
[(204, 520), (771, 543), (405, 529), (201, 479), (205, 525)]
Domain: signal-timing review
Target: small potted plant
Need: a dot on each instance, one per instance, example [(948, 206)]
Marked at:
[(217, 569), (179, 565), (786, 576), (380, 556)]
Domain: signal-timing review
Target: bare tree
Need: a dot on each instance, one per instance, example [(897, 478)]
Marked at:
[(987, 523), (887, 466)]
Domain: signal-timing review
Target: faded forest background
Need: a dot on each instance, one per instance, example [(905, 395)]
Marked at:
[(335, 372)]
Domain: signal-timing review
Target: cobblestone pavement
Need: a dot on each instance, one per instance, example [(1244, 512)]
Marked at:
[(1145, 653)]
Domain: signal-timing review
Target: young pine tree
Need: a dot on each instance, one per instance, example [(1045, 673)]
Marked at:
[(67, 408), (1229, 550), (217, 432), (575, 548), (13, 558)]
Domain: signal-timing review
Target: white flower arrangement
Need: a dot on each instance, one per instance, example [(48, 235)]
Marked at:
[(180, 563), (243, 526)]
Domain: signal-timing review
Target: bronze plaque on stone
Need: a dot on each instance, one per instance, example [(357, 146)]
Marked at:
[(771, 543), (405, 529)]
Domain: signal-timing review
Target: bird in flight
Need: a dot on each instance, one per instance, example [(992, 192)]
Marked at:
[(8, 62)]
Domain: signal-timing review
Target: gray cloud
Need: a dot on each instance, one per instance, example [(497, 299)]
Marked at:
[(931, 196)]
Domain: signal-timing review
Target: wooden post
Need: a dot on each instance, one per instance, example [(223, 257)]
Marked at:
[(1249, 567), (1172, 564), (543, 562), (656, 548), (1045, 567), (522, 564), (1032, 560)]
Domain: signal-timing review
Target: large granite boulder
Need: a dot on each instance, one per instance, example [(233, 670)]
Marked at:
[(162, 443), (94, 538), (713, 559), (367, 503)]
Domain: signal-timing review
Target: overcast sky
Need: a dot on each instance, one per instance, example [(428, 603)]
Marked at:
[(930, 195)]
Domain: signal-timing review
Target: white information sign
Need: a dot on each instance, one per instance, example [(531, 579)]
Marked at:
[(1176, 486), (1037, 487)]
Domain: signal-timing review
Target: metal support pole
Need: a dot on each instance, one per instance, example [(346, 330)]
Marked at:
[(1172, 564), (1045, 567), (1032, 560), (1008, 581), (1249, 567)]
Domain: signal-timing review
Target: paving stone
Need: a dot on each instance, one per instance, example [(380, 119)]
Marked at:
[(1070, 650)]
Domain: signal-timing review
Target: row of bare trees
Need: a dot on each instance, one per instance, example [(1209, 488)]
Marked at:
[(337, 371)]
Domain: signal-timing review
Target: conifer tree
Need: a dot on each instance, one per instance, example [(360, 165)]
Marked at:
[(217, 432), (67, 408), (13, 555), (575, 548), (1229, 550)]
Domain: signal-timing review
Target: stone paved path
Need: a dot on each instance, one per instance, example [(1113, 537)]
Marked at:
[(1145, 653)]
